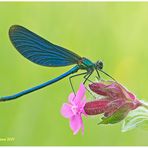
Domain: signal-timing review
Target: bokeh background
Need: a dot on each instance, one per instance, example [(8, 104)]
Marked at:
[(115, 32)]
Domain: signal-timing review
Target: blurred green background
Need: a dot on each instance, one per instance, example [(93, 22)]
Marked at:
[(117, 33)]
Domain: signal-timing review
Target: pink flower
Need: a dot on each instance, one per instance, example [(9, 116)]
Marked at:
[(74, 109), (115, 102)]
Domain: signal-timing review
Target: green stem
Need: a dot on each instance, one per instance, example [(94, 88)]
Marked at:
[(144, 105)]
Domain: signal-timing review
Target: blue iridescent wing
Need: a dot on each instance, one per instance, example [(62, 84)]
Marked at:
[(39, 50)]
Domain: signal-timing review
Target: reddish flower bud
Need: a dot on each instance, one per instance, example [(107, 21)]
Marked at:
[(115, 103), (95, 107)]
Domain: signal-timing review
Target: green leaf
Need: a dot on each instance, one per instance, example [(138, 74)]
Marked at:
[(117, 116), (136, 118)]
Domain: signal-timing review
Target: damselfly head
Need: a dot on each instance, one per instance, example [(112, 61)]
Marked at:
[(99, 65)]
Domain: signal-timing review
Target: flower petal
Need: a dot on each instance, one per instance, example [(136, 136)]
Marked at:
[(71, 98), (82, 102), (82, 127), (80, 93), (66, 110), (75, 123)]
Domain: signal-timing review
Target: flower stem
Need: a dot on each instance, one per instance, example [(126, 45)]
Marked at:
[(144, 105)]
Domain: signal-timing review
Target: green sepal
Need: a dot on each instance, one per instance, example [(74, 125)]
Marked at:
[(118, 115)]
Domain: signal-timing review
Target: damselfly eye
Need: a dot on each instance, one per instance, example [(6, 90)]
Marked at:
[(99, 65)]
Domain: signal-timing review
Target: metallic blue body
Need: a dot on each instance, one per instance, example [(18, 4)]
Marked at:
[(73, 70)]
